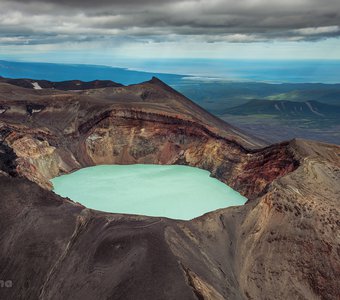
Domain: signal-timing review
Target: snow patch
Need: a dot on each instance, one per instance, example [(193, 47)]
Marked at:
[(36, 86), (314, 110)]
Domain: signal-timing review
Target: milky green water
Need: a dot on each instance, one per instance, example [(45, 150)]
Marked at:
[(178, 192)]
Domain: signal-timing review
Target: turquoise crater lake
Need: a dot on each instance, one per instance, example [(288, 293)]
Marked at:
[(178, 192)]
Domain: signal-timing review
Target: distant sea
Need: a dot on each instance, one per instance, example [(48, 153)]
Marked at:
[(174, 70), (270, 71)]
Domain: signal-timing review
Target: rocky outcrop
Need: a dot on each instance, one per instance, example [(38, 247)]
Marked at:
[(36, 160), (283, 244), (32, 155)]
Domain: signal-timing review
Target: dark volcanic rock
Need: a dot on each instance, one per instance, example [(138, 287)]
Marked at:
[(7, 160), (34, 108), (283, 244), (61, 85)]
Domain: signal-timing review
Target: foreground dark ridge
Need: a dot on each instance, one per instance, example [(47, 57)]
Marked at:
[(61, 85), (283, 244)]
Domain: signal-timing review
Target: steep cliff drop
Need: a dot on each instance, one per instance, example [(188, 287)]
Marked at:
[(282, 244)]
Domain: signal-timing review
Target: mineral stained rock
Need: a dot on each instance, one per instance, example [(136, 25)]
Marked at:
[(283, 244)]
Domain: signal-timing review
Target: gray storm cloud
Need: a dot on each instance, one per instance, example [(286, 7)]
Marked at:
[(49, 22)]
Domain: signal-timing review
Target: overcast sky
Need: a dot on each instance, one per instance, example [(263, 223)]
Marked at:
[(150, 28)]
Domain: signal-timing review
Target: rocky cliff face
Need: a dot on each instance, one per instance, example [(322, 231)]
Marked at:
[(283, 244)]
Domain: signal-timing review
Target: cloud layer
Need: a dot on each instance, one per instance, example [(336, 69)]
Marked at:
[(25, 22)]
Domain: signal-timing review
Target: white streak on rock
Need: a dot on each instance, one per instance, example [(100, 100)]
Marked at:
[(36, 86)]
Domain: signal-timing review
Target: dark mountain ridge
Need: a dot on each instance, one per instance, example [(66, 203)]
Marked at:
[(60, 85)]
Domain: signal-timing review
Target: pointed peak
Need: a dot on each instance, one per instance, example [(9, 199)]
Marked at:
[(156, 80)]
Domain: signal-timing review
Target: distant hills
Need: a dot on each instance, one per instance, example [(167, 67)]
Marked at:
[(218, 96), (273, 112), (329, 94), (287, 109), (279, 120)]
